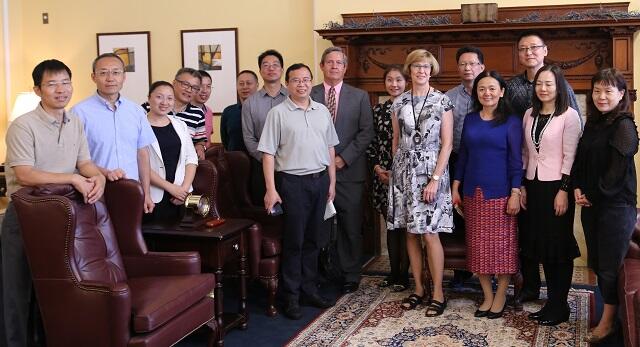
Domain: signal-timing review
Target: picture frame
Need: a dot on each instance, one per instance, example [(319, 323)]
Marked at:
[(135, 50), (215, 51)]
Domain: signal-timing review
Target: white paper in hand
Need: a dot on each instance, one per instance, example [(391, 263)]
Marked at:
[(329, 211)]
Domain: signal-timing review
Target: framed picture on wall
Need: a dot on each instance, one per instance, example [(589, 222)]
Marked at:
[(215, 51), (135, 51)]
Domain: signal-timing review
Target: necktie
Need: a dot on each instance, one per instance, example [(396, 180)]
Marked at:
[(331, 103)]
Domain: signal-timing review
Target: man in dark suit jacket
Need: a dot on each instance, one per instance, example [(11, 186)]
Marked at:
[(351, 110)]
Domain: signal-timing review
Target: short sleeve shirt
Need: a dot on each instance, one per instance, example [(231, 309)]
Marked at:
[(115, 134), (39, 140), (299, 138), (462, 105)]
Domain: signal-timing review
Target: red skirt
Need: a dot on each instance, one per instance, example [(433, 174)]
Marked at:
[(491, 235)]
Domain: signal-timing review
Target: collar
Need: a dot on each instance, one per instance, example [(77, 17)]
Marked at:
[(46, 117), (524, 77), (337, 86), (292, 106), (282, 91), (463, 90), (106, 102)]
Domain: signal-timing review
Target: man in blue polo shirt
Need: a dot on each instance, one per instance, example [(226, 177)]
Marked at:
[(117, 129)]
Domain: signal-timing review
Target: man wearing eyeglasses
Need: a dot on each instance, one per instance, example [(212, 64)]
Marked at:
[(117, 128), (350, 110), (46, 145), (531, 53), (254, 114), (470, 61), (297, 143)]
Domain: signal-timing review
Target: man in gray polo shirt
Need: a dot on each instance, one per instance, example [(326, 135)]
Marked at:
[(46, 145), (254, 114), (298, 143)]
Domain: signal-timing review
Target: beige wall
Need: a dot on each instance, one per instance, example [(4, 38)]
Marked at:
[(285, 25)]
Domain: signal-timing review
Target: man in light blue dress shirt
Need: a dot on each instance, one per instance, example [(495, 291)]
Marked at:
[(117, 129)]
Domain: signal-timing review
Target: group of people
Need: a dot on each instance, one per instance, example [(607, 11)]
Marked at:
[(502, 164)]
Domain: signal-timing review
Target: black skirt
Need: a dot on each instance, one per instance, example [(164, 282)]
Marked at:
[(544, 236)]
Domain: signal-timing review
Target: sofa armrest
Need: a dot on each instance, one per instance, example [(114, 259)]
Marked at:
[(261, 216), (162, 264)]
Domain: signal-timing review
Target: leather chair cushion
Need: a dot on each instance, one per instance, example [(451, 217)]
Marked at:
[(156, 300), (630, 276), (453, 246), (271, 246)]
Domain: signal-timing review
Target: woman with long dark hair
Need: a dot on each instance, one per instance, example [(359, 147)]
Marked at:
[(604, 177), (380, 159), (490, 168), (551, 134)]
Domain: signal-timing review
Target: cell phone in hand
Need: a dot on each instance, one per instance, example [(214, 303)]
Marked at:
[(276, 210)]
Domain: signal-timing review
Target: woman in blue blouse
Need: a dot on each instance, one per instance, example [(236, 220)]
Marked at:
[(490, 168)]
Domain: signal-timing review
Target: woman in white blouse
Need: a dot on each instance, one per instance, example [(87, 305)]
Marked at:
[(172, 156)]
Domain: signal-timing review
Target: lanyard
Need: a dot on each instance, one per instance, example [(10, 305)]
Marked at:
[(416, 119)]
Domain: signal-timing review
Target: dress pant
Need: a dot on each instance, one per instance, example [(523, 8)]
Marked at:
[(348, 203), (17, 285), (304, 199), (558, 276), (257, 187), (607, 231)]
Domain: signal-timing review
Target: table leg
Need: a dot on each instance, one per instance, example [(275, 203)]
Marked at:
[(243, 278), (219, 306)]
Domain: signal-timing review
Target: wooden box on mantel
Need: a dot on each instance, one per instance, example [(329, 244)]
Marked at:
[(479, 13)]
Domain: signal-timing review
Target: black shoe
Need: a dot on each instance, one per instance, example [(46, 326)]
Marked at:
[(317, 301), (536, 315), (291, 309), (547, 320), (479, 313), (496, 315), (350, 287), (526, 296)]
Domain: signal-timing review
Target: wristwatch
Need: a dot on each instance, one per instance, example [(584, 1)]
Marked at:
[(435, 178)]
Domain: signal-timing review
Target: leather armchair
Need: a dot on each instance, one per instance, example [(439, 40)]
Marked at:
[(629, 290), (96, 282), (233, 201)]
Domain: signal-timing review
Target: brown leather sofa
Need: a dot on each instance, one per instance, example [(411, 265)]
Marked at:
[(95, 281), (233, 201), (629, 291)]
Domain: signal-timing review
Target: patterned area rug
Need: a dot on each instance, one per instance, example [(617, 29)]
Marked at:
[(380, 266), (372, 316)]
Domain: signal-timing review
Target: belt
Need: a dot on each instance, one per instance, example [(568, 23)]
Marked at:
[(313, 175)]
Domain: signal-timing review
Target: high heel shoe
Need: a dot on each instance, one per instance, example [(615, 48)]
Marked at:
[(496, 315), (479, 313)]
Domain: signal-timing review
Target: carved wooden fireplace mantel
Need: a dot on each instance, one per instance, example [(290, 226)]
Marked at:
[(579, 47)]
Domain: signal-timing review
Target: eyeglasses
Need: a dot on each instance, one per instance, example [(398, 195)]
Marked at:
[(470, 64), (267, 66), (533, 49), (113, 73), (188, 86), (66, 84), (419, 66), (305, 80)]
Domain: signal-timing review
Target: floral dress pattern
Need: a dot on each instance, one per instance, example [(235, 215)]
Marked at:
[(414, 164), (379, 152)]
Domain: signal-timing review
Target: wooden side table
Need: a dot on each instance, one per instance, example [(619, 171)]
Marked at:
[(223, 245)]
